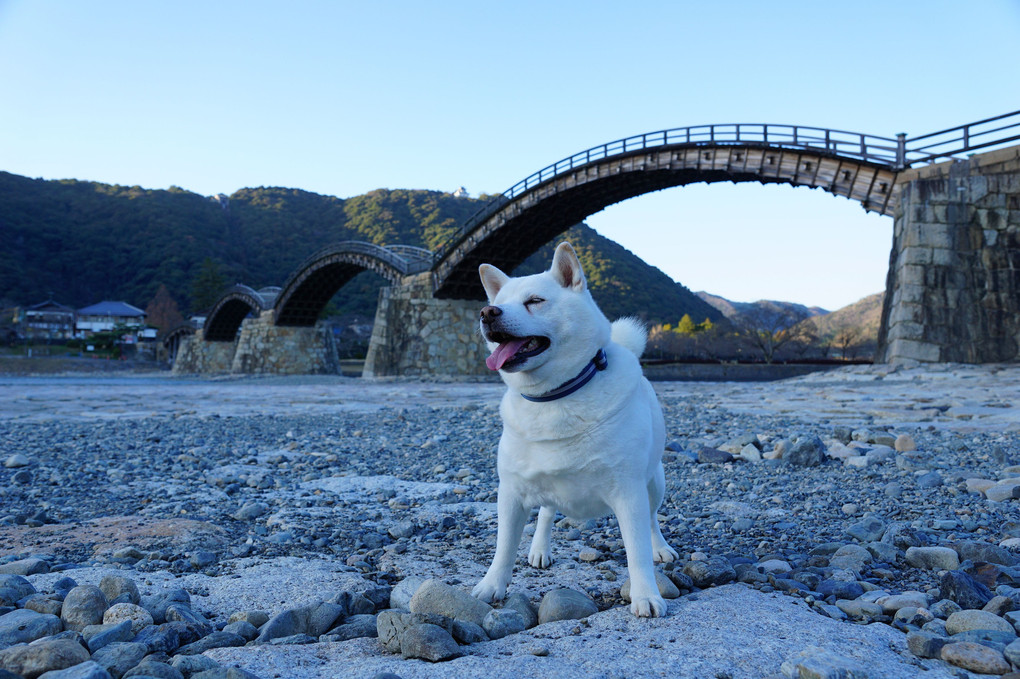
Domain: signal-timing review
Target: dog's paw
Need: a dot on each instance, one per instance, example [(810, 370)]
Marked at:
[(664, 554), (540, 558), (648, 607), (489, 591)]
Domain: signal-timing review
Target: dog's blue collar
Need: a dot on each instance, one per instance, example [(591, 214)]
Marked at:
[(596, 364)]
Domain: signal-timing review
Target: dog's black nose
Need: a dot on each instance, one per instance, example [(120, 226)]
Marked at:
[(490, 314)]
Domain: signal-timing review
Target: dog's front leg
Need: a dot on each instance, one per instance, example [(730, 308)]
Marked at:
[(511, 516), (633, 515), (540, 554)]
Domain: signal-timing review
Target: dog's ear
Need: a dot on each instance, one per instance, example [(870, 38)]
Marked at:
[(492, 280), (566, 268)]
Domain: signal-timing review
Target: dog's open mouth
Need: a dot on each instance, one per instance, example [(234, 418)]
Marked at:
[(513, 351)]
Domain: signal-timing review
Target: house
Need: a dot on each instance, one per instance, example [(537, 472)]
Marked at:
[(48, 320), (107, 315)]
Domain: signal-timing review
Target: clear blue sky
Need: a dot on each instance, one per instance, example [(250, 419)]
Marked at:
[(341, 98)]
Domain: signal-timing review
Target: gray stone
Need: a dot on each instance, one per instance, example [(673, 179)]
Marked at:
[(860, 610), (14, 588), (996, 639), (114, 586), (189, 665), (401, 595), (470, 633), (23, 626), (902, 536), (253, 618), (353, 603), (202, 558), (45, 655), (712, 572), (435, 596), (16, 461), (806, 451), (157, 670), (158, 605), (870, 529), (169, 636), (428, 642), (120, 656), (30, 566), (323, 617), (961, 621), (314, 620), (85, 670), (354, 627), (242, 628), (522, 604), (925, 645), (850, 557), (121, 631), (138, 616), (83, 605), (565, 604), (975, 658), (708, 455), (929, 480), (894, 602), (1012, 652), (223, 673), (963, 589), (42, 603), (250, 511), (933, 558), (943, 608), (182, 613), (215, 640), (503, 622), (389, 625), (974, 550)]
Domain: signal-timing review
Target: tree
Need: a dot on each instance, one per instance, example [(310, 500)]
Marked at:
[(162, 311), (846, 337), (766, 329), (686, 326), (207, 285)]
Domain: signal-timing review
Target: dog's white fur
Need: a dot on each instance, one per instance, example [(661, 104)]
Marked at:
[(595, 452)]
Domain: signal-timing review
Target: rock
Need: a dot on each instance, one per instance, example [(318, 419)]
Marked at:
[(110, 634), (589, 555), (565, 604), (870, 529), (115, 586), (189, 665), (16, 461), (1012, 652), (83, 605), (45, 655), (963, 589), (156, 670), (666, 587), (902, 536), (850, 557), (355, 627), (962, 621), (904, 444), (428, 642), (522, 604), (712, 572), (353, 603), (894, 602), (928, 480), (223, 673), (933, 558), (818, 663), (159, 604), (41, 603), (169, 636), (220, 639), (986, 637), (25, 567), (14, 588), (975, 658), (859, 610), (974, 550), (925, 645), (253, 618), (841, 589), (401, 595), (119, 657), (944, 608), (708, 455), (250, 511), (85, 670), (22, 626), (503, 622), (435, 596), (138, 616), (468, 632), (182, 613), (243, 629), (807, 451)]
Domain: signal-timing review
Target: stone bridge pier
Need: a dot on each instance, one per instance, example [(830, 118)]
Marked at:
[(417, 334), (953, 288)]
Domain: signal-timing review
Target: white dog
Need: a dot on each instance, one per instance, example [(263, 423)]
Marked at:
[(583, 432)]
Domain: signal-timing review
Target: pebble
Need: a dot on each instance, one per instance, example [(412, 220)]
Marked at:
[(436, 597), (933, 558), (503, 622), (136, 615), (45, 655), (963, 621), (428, 642), (84, 605), (975, 658), (565, 604), (667, 589)]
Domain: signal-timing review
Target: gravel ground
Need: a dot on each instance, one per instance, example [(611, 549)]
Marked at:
[(374, 482)]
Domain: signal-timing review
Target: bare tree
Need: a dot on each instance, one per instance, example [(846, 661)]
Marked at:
[(848, 336), (768, 328)]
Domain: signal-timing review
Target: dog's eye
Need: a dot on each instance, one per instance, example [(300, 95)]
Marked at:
[(532, 300)]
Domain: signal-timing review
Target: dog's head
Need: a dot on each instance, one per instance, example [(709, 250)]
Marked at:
[(546, 323)]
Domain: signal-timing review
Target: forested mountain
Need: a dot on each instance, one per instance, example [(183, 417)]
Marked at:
[(80, 242)]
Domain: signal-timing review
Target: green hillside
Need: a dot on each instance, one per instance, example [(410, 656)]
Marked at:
[(81, 242)]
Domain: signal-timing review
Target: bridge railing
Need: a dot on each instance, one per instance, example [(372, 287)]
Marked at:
[(389, 255), (956, 141), (418, 259)]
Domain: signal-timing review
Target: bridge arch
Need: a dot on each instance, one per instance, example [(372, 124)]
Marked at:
[(532, 212), (233, 306), (320, 276)]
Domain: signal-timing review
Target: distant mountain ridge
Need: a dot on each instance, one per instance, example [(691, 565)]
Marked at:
[(80, 242), (734, 310)]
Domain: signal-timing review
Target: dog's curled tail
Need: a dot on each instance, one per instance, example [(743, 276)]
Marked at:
[(630, 333)]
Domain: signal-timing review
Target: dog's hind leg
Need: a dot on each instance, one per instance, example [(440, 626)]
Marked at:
[(661, 551), (540, 555), (511, 517), (632, 515)]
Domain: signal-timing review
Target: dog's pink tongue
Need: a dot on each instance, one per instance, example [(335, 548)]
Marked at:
[(503, 353)]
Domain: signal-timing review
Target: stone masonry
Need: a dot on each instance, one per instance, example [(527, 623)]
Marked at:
[(195, 355), (264, 348), (953, 288), (415, 334)]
